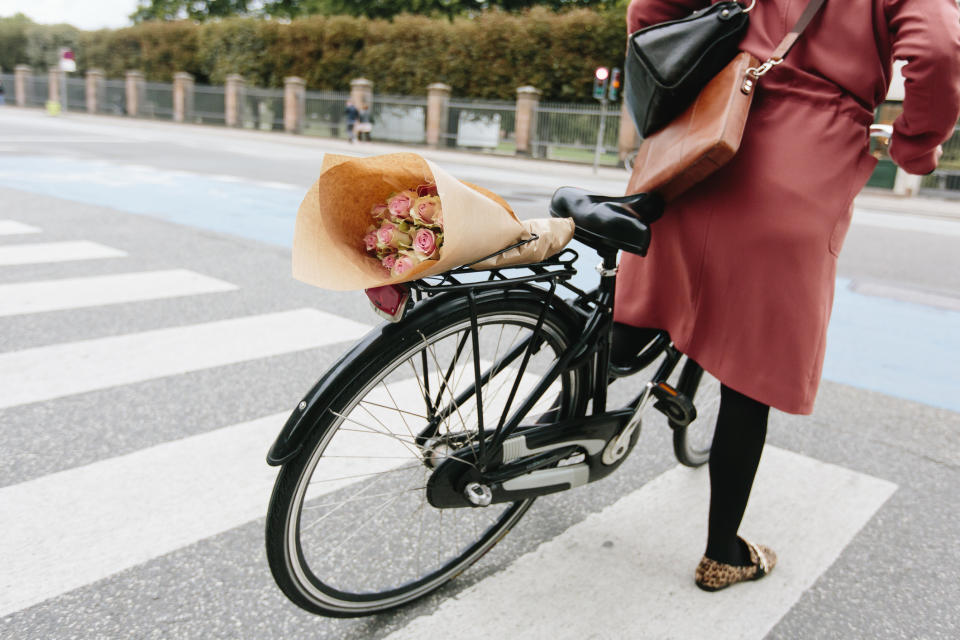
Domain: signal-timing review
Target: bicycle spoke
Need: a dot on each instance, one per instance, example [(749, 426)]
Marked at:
[(349, 500)]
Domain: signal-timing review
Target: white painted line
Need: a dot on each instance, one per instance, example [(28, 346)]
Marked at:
[(12, 227), (43, 373), (55, 252), (627, 572), (76, 293), (939, 226), (77, 526), (81, 525)]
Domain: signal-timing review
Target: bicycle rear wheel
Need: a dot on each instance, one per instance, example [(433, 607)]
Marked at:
[(349, 529), (691, 443)]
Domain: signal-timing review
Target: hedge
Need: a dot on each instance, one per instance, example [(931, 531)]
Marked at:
[(487, 56)]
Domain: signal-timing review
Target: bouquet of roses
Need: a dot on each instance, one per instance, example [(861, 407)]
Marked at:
[(407, 229), (364, 224)]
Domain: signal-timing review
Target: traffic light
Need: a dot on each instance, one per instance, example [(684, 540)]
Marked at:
[(600, 77), (614, 84)]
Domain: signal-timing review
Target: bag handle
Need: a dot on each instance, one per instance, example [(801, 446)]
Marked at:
[(787, 43)]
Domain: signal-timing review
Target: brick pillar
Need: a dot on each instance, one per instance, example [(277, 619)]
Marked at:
[(438, 100), (525, 131), (136, 89), (629, 140), (182, 96), (53, 85), (95, 89), (361, 92), (294, 104), (22, 84), (233, 101)]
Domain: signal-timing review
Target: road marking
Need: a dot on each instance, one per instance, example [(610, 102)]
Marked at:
[(78, 526), (627, 571), (84, 524), (939, 226), (42, 252), (75, 293), (12, 227), (43, 373)]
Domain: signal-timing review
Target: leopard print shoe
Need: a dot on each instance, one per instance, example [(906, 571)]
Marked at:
[(713, 576)]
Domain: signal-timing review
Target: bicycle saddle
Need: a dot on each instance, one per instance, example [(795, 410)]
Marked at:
[(617, 223)]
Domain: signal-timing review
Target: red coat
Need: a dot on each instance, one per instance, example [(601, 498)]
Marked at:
[(741, 269)]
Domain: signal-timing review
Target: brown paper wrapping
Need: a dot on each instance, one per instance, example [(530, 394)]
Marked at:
[(333, 218)]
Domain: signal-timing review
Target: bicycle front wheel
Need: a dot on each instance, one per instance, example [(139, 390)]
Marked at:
[(349, 530)]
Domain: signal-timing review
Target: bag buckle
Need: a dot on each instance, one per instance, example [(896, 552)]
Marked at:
[(759, 72)]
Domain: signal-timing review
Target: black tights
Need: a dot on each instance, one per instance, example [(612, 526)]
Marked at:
[(734, 455)]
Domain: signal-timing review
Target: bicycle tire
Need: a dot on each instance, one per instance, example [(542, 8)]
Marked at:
[(691, 443), (315, 583)]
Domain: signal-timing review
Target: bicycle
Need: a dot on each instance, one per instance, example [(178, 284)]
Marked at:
[(424, 444)]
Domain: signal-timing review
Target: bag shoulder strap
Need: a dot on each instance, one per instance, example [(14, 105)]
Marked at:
[(813, 8)]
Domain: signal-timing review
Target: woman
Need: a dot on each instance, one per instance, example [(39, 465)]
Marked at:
[(741, 269)]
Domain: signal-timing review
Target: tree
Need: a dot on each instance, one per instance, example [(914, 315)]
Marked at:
[(193, 9), (201, 10)]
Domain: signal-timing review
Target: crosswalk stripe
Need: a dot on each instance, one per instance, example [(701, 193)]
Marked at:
[(12, 228), (43, 373), (85, 524), (627, 571), (75, 293), (78, 526), (42, 252)]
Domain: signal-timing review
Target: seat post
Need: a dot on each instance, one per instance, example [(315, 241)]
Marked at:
[(608, 280)]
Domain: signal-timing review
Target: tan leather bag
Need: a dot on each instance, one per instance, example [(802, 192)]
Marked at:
[(707, 135), (701, 140)]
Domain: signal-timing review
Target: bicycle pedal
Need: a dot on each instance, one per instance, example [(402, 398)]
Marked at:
[(676, 406)]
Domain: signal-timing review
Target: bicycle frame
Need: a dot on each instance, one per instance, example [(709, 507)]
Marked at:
[(520, 461)]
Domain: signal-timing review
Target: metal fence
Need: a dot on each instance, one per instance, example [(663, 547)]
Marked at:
[(399, 119), (946, 179), (569, 132), (209, 104), (262, 109), (324, 113), (113, 99), (481, 125), (38, 91), (76, 98), (9, 93), (157, 101)]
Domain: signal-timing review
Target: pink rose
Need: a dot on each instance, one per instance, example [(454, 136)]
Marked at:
[(400, 203), (427, 210), (388, 261), (403, 264), (388, 235), (370, 241), (425, 243), (379, 211)]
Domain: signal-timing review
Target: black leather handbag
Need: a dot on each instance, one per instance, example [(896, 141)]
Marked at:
[(668, 64)]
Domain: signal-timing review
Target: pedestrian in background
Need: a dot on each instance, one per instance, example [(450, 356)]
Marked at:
[(364, 123), (351, 114), (741, 269)]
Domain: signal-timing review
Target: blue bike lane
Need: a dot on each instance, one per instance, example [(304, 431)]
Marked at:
[(898, 348)]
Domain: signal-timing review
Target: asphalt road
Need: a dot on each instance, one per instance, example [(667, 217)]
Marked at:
[(134, 488)]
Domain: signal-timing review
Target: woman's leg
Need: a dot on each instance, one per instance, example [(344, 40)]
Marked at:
[(734, 456), (628, 341)]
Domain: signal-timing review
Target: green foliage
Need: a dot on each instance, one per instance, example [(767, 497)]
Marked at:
[(13, 41), (487, 55), (192, 9)]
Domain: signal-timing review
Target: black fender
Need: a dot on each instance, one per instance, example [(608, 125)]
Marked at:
[(306, 416)]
